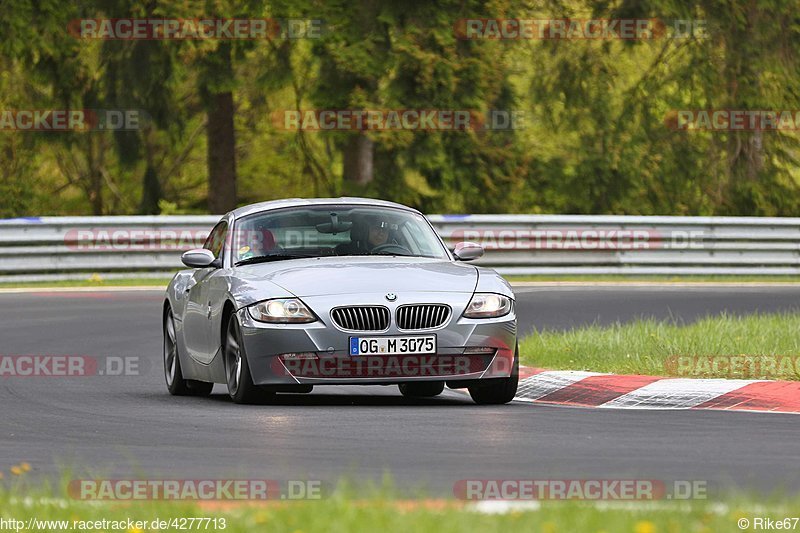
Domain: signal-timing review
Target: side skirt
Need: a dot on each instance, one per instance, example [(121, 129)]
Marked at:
[(213, 372)]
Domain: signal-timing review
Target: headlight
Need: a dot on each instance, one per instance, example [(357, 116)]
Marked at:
[(488, 305), (281, 311)]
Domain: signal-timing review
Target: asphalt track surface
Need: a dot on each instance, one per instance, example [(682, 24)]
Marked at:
[(130, 427)]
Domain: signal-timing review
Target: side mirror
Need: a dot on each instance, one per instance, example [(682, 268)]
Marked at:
[(467, 251), (198, 258)]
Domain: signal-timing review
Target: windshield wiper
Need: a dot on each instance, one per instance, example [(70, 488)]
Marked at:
[(393, 253), (270, 257)]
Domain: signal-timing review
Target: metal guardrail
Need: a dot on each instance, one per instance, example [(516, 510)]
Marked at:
[(47, 248)]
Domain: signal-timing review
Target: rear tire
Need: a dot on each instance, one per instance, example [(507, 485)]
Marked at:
[(173, 374), (498, 391), (425, 389), (237, 371)]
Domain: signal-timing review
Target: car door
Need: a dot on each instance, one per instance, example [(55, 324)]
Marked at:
[(197, 317)]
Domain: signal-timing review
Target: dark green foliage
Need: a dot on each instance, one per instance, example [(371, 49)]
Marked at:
[(597, 114)]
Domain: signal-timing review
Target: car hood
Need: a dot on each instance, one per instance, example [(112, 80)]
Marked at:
[(351, 275)]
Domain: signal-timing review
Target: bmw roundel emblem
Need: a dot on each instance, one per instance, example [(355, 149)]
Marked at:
[(391, 297)]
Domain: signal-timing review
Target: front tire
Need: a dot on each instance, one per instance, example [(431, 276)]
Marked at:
[(425, 389), (173, 374), (237, 371), (500, 390)]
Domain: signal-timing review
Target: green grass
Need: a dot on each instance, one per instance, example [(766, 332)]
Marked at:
[(668, 349), (98, 281), (345, 511), (653, 278)]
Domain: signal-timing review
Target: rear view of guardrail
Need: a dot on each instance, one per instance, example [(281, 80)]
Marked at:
[(76, 247)]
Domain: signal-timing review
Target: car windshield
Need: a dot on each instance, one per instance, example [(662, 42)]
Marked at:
[(320, 231)]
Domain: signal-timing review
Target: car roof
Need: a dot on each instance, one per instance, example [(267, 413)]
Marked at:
[(304, 202)]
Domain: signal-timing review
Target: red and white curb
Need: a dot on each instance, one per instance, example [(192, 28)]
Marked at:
[(611, 391)]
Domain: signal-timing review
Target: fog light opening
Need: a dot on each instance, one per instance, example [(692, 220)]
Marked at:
[(302, 356), (479, 350)]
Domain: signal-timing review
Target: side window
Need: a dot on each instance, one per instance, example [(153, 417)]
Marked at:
[(216, 239)]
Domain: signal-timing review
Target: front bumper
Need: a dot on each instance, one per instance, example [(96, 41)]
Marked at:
[(322, 350)]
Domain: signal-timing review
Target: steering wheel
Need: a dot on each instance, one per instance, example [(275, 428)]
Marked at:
[(388, 247)]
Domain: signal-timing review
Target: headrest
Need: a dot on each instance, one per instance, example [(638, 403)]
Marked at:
[(359, 230)]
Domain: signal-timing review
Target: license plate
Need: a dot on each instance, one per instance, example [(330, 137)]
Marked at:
[(392, 345)]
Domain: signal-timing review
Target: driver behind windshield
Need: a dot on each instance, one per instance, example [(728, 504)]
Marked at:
[(377, 234)]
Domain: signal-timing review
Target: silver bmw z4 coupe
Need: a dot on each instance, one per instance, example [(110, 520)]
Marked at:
[(290, 294)]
